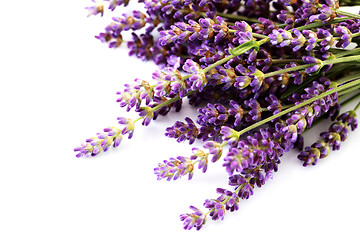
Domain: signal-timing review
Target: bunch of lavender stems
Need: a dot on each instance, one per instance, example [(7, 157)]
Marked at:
[(260, 73)]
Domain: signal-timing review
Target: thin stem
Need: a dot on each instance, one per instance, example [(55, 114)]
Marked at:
[(309, 101), (320, 23), (236, 52), (347, 14), (341, 60), (349, 90), (350, 77), (301, 67), (347, 101), (257, 35), (358, 105), (167, 102), (218, 63), (348, 52), (349, 2)]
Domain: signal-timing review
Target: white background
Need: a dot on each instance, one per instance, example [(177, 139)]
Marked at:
[(58, 86)]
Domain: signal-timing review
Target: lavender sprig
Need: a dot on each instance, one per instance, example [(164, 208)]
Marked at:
[(241, 70), (337, 133)]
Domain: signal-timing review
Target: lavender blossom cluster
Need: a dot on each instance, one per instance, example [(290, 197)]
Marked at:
[(260, 74)]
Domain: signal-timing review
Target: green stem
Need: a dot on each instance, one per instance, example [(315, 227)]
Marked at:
[(236, 52), (349, 2), (348, 52), (358, 105), (353, 76), (301, 67), (349, 90), (309, 101), (257, 35), (349, 100), (320, 23), (347, 14), (167, 102), (218, 63)]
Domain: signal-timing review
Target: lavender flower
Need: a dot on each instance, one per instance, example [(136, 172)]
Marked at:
[(133, 94), (201, 158), (337, 133), (216, 209), (196, 219), (181, 166), (129, 126), (204, 29), (311, 155), (183, 131), (215, 149), (326, 13), (231, 199), (280, 37), (170, 82), (115, 3), (315, 68), (175, 168), (197, 80), (95, 145), (95, 10), (235, 92), (345, 36), (255, 151), (243, 186)]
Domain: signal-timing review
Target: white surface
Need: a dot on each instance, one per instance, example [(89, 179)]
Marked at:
[(58, 87)]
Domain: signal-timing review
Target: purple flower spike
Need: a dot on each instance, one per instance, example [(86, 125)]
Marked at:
[(197, 81), (98, 8), (175, 168), (311, 155), (314, 68), (245, 189), (216, 209), (327, 39), (230, 135), (147, 113), (115, 3), (196, 219), (311, 38), (236, 160), (231, 199), (337, 133), (183, 131), (280, 37), (201, 157), (215, 149), (299, 41), (345, 36), (350, 119), (101, 143), (243, 33), (133, 94), (129, 126)]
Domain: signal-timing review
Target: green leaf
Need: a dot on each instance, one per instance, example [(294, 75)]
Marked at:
[(245, 47)]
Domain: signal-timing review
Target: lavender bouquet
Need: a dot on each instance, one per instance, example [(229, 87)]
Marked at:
[(260, 72)]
